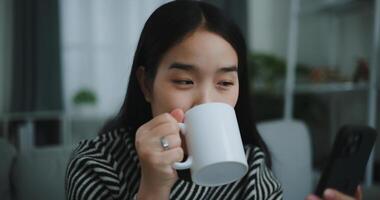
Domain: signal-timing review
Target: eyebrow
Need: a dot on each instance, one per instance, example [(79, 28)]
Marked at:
[(189, 67)]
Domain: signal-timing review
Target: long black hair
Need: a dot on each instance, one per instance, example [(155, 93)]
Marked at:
[(166, 27)]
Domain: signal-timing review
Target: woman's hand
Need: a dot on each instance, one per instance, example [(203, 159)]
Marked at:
[(157, 173), (330, 194)]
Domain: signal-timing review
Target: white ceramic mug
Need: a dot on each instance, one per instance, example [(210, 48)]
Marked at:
[(216, 153)]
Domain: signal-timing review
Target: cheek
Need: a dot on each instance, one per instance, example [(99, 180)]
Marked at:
[(233, 97), (166, 98)]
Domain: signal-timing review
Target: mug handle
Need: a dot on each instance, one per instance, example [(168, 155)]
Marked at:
[(187, 164)]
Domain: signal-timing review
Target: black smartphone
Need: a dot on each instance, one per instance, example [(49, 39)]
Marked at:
[(347, 162)]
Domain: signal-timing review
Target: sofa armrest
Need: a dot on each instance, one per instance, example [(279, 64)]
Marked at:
[(7, 155), (40, 173)]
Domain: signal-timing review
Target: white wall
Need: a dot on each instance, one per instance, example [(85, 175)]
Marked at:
[(356, 38), (5, 54), (99, 39), (268, 27)]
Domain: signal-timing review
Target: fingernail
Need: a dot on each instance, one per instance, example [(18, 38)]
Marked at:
[(330, 194)]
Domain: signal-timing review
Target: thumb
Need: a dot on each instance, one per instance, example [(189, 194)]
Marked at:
[(330, 194), (178, 114), (359, 193)]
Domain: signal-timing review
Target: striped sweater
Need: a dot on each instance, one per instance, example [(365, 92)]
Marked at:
[(108, 168)]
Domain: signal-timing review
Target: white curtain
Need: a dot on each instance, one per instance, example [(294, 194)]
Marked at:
[(98, 42), (5, 54)]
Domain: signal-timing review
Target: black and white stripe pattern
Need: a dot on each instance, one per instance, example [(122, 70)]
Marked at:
[(108, 168)]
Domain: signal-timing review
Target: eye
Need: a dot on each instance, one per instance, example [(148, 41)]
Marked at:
[(183, 82), (226, 83)]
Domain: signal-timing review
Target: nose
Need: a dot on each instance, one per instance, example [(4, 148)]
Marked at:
[(203, 96)]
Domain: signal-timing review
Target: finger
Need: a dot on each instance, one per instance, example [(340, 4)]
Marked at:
[(174, 141), (152, 139), (358, 193), (165, 130), (158, 120), (330, 194), (173, 155), (312, 197), (178, 114)]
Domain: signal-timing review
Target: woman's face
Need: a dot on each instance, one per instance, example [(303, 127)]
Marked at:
[(200, 69)]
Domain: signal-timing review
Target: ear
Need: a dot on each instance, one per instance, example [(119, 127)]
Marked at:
[(141, 77)]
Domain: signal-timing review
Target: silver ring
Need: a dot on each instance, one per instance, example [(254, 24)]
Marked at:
[(164, 143)]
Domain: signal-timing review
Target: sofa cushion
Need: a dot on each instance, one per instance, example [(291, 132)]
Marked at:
[(289, 144), (7, 155), (40, 173)]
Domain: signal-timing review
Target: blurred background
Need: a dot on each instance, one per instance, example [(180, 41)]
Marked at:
[(64, 67)]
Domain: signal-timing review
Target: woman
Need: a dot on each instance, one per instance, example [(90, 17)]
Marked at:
[(188, 54)]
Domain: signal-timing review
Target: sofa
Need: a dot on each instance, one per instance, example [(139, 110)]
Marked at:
[(39, 173), (34, 174)]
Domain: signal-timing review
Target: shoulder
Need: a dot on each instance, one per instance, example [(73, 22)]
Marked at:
[(266, 184), (107, 149), (254, 154), (99, 161), (106, 144), (256, 158)]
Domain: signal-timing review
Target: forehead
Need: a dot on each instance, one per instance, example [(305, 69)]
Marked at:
[(202, 48)]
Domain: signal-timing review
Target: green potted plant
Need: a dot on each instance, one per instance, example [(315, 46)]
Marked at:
[(85, 100), (267, 71)]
